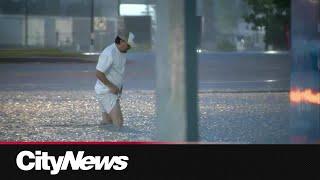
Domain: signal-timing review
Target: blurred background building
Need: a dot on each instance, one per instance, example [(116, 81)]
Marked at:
[(84, 25), (55, 23)]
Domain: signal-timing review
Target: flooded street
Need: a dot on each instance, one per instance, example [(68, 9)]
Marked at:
[(75, 116)]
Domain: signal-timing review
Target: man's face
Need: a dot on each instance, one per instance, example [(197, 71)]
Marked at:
[(124, 46)]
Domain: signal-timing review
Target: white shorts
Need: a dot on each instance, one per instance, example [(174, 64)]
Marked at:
[(107, 101)]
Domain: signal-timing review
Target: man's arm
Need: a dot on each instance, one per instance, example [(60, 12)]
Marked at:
[(102, 77)]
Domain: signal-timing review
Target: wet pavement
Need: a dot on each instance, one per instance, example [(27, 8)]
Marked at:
[(232, 72)]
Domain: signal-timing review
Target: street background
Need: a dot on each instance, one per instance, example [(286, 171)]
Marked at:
[(247, 60), (240, 100)]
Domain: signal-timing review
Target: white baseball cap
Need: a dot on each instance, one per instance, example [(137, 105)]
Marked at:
[(128, 37)]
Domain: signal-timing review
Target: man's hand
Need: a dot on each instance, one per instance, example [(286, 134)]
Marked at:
[(114, 89)]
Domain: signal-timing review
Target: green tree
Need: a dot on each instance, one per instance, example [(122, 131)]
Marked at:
[(274, 16)]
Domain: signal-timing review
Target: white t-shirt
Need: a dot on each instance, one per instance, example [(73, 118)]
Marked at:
[(112, 63)]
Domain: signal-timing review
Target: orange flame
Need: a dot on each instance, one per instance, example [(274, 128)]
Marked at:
[(306, 96)]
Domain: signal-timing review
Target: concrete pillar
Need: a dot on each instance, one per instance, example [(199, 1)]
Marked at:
[(92, 33), (176, 70), (305, 73)]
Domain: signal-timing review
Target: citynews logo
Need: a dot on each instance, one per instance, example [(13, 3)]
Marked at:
[(42, 161)]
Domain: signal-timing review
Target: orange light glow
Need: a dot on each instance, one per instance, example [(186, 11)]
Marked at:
[(304, 96)]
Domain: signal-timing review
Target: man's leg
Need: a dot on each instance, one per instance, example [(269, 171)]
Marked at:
[(116, 115), (106, 119)]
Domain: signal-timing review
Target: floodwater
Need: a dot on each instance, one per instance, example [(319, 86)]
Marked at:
[(240, 118)]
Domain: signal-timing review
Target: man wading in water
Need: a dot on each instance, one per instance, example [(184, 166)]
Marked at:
[(110, 73)]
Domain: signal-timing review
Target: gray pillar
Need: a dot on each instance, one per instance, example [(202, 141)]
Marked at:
[(118, 7), (26, 6), (305, 73), (92, 35), (176, 66)]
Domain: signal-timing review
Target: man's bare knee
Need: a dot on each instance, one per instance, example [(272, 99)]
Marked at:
[(119, 122), (106, 118), (116, 115)]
